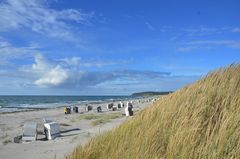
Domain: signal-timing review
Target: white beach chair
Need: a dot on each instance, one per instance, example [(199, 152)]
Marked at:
[(122, 104), (126, 111), (29, 131), (52, 130), (129, 109)]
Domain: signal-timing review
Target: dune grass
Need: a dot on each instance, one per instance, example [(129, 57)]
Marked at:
[(201, 120)]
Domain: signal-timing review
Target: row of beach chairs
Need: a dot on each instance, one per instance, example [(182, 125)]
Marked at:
[(110, 106), (67, 110), (128, 110)]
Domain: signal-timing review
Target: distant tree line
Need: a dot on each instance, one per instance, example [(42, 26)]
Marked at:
[(150, 93)]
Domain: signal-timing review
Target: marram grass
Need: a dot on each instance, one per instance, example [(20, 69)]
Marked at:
[(201, 120)]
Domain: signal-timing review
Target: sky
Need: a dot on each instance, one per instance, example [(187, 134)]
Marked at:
[(113, 47)]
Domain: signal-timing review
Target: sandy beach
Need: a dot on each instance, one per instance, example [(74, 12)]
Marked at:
[(76, 129)]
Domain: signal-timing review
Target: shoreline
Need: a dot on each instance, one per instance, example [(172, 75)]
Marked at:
[(77, 130)]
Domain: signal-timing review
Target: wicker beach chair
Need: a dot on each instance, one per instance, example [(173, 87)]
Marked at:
[(29, 131), (52, 130)]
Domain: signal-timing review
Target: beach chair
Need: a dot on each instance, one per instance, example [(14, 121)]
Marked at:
[(109, 106), (129, 110), (67, 110), (88, 108), (119, 105), (114, 108), (75, 109), (126, 111), (99, 109), (52, 130), (29, 131), (129, 104)]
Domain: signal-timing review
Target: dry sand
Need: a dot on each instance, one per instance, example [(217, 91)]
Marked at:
[(74, 131)]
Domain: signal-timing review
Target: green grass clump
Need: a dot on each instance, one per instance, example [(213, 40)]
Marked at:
[(99, 121), (6, 141), (201, 120), (112, 116), (106, 118), (89, 116), (100, 118)]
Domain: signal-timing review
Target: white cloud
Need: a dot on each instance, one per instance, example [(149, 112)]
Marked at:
[(80, 63), (212, 42), (53, 77), (8, 51), (225, 43), (202, 31), (41, 64), (186, 48), (194, 31), (75, 61), (48, 72), (39, 17), (63, 73), (209, 44)]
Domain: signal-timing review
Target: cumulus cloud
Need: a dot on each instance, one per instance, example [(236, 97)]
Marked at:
[(47, 72), (39, 17), (54, 77)]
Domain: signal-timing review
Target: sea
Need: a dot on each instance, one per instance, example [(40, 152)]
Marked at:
[(25, 103)]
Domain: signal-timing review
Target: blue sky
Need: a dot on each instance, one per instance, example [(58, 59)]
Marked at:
[(111, 47)]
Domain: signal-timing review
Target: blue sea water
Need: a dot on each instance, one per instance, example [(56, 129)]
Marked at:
[(20, 103)]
